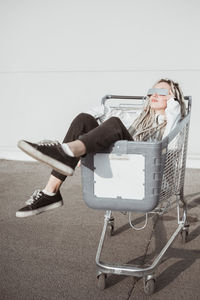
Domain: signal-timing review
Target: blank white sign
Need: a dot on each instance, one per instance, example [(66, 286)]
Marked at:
[(119, 176)]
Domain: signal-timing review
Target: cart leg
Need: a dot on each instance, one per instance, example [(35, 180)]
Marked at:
[(184, 203), (111, 226), (101, 277), (101, 242), (185, 229)]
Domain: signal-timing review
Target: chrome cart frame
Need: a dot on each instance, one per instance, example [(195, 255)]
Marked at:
[(167, 167)]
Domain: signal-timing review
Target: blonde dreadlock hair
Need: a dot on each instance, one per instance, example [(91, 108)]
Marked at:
[(178, 94), (143, 127)]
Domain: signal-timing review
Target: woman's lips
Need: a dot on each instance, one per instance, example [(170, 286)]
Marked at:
[(154, 100)]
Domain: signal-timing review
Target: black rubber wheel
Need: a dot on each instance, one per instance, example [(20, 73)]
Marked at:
[(101, 281), (149, 286), (110, 230), (184, 236)]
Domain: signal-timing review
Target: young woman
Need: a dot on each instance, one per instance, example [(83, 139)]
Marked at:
[(163, 109)]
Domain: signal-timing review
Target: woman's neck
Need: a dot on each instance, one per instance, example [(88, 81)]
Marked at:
[(159, 111)]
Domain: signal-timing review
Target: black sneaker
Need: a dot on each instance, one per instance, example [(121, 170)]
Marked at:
[(50, 153), (38, 203)]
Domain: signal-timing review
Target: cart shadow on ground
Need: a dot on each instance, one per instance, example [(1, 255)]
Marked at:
[(184, 257)]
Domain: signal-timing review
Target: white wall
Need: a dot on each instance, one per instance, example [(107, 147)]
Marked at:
[(59, 57)]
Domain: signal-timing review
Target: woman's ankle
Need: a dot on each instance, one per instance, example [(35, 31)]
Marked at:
[(50, 190), (49, 193), (53, 185)]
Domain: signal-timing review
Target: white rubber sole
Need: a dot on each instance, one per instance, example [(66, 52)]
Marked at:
[(23, 214), (53, 163)]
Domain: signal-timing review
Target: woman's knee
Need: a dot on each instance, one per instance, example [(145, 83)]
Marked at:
[(84, 122), (115, 120), (84, 117)]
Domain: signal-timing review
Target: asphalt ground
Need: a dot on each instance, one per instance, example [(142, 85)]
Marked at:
[(52, 255)]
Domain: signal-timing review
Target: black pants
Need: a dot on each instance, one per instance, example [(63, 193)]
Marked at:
[(94, 136)]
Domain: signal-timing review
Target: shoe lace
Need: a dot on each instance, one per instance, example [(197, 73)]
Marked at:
[(36, 195), (48, 143)]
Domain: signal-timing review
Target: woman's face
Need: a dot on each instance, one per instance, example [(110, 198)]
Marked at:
[(159, 102)]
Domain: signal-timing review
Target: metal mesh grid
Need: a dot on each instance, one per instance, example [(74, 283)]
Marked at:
[(174, 168), (118, 107)]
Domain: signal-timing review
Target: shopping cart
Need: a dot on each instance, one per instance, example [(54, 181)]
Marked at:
[(137, 177)]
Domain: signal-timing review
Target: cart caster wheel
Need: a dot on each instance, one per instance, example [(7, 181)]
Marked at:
[(184, 236), (110, 230), (101, 281), (149, 286)]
